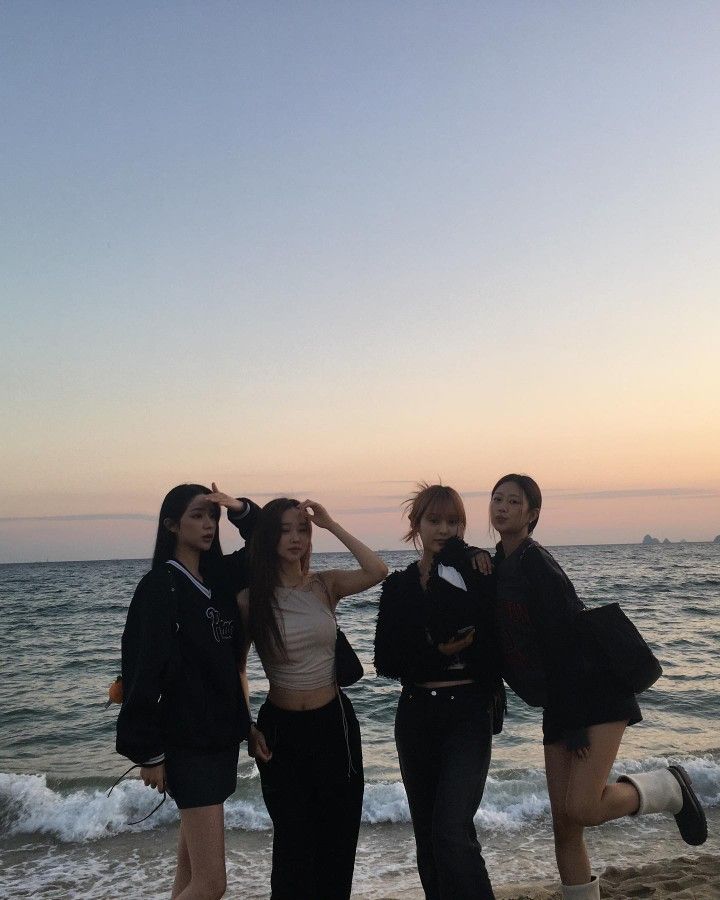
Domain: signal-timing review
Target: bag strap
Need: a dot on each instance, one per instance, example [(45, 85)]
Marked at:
[(321, 581)]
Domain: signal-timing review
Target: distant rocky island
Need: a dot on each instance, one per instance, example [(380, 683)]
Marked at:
[(649, 539)]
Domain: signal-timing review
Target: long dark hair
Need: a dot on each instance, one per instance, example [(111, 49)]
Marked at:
[(265, 577), (531, 491), (173, 507)]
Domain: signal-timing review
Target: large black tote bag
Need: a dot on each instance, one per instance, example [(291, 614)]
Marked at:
[(613, 647)]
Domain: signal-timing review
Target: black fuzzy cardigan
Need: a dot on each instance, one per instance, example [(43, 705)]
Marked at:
[(412, 621)]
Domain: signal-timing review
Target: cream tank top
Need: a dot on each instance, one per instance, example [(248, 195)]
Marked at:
[(308, 627)]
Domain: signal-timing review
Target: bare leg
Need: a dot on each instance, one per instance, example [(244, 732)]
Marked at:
[(183, 871), (570, 850), (203, 830), (590, 799), (580, 796)]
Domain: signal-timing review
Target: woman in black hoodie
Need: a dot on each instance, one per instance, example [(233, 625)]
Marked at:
[(435, 634), (185, 708)]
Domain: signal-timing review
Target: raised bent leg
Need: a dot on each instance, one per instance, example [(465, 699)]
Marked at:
[(590, 799)]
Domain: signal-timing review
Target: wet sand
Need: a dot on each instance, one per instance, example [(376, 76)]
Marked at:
[(683, 878)]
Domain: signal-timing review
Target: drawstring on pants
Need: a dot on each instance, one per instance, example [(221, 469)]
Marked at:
[(346, 732)]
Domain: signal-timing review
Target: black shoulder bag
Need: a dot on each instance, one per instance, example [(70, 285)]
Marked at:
[(348, 668), (614, 648)]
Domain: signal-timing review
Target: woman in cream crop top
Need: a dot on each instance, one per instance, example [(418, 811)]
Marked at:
[(307, 739), (289, 613), (307, 626)]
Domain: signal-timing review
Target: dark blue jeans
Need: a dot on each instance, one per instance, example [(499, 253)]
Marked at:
[(444, 739)]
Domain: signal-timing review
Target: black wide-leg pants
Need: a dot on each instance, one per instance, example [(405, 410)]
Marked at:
[(313, 790)]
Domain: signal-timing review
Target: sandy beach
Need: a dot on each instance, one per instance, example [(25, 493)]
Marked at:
[(683, 878)]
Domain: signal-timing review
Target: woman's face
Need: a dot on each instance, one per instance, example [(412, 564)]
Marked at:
[(437, 525), (198, 524), (294, 541), (510, 512)]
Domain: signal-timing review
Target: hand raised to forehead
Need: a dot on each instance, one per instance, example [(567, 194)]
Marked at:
[(222, 499), (316, 513)]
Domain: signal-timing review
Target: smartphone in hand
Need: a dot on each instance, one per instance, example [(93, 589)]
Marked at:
[(461, 632)]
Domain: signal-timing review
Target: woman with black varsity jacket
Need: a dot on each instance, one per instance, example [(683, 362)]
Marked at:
[(435, 633), (185, 703), (585, 713)]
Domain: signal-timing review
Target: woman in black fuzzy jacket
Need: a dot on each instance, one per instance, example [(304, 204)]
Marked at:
[(435, 634)]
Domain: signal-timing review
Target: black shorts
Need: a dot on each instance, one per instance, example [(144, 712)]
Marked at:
[(599, 710), (201, 779)]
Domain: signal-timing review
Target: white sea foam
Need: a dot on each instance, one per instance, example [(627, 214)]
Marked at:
[(244, 815), (508, 803), (29, 806), (92, 875), (513, 801), (385, 803)]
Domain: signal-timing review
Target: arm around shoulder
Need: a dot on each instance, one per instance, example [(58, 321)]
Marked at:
[(554, 594), (245, 519)]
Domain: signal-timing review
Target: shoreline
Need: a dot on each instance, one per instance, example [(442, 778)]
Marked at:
[(103, 870), (678, 878)]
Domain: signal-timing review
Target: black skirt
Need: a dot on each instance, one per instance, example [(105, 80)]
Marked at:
[(599, 710), (201, 779)]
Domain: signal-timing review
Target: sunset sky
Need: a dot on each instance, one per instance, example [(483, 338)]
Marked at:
[(327, 249)]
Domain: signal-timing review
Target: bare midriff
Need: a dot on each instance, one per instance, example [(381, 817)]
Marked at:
[(441, 684), (298, 701)]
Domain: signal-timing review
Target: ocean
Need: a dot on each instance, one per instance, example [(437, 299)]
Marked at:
[(62, 837)]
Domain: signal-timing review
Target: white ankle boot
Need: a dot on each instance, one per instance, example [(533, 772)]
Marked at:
[(670, 790), (659, 791), (589, 891)]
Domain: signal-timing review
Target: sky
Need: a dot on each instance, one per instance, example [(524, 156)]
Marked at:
[(330, 249)]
